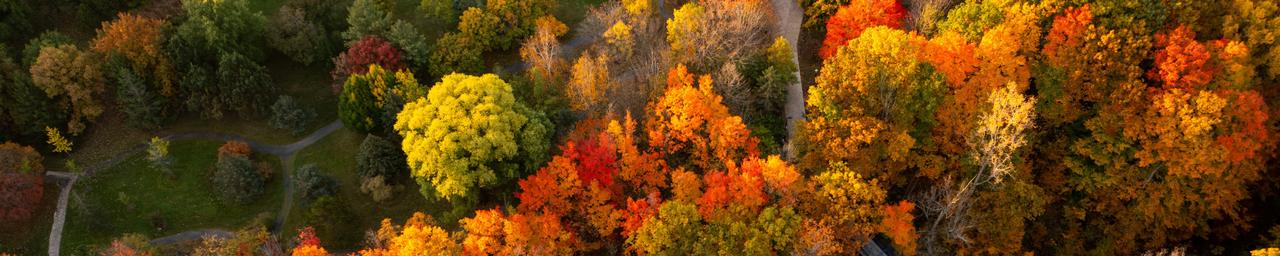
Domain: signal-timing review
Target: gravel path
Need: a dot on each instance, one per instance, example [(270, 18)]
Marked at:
[(284, 152)]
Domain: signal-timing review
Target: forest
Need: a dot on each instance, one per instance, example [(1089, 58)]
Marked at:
[(639, 127)]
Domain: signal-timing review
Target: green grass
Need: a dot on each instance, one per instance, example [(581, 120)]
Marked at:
[(128, 197), (32, 237), (335, 155)]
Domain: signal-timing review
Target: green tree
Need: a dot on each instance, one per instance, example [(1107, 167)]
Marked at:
[(304, 40), (216, 49), (245, 85), (367, 17), (369, 100), (288, 114), (236, 181), (143, 107), (24, 108), (51, 38), (470, 133)]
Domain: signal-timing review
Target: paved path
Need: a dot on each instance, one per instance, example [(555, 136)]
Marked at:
[(284, 152), (191, 235), (787, 23)]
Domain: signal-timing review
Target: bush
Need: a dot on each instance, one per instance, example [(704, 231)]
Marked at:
[(236, 180), (377, 188), (236, 148), (287, 114), (311, 183), (380, 157)]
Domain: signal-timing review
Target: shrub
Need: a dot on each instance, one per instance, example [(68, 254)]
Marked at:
[(380, 157), (378, 188), (287, 114), (311, 183), (234, 147), (236, 180)]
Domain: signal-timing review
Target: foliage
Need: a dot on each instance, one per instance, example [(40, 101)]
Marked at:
[(51, 38), (309, 244), (620, 41), (139, 40), (470, 133), (215, 48), (303, 40), (542, 52), (369, 100), (25, 110), (850, 20), (705, 34), (972, 18), (234, 148), (379, 157), (589, 83), (16, 14), (330, 217), (368, 51), (288, 114), (158, 155), (898, 227), (74, 78), (143, 107), (21, 182), (418, 236), (818, 12), (311, 183), (236, 181), (131, 244), (411, 43), (60, 144), (691, 122), (378, 187), (365, 18)]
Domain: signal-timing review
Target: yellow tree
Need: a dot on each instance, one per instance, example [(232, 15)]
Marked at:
[(692, 122)]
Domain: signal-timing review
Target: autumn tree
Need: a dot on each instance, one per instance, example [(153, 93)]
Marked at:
[(370, 100), (131, 244), (589, 83), (236, 180), (690, 122), (21, 180), (705, 34), (470, 133), (542, 52), (75, 79), (418, 236), (308, 244), (850, 20), (368, 51), (139, 40)]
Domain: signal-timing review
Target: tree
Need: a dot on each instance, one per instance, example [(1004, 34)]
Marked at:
[(142, 106), (366, 18), (51, 38), (357, 59), (460, 51), (379, 157), (850, 20), (412, 43), (21, 182), (309, 244), (312, 183), (898, 226), (369, 100), (234, 148), (158, 155), (288, 114), (519, 17), (542, 52), (690, 122), (139, 40), (246, 87), (304, 40), (589, 83), (15, 13), (417, 237), (25, 110), (74, 78), (469, 133), (332, 220), (439, 9), (619, 39), (218, 27), (971, 19), (1181, 62), (216, 50), (236, 180), (705, 34)]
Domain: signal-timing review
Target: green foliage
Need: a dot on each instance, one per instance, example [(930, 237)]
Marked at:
[(369, 100), (366, 17), (331, 220), (50, 38), (972, 18), (380, 157), (412, 43), (458, 53), (24, 108), (311, 183), (215, 28), (143, 108), (303, 40), (769, 73), (245, 85), (288, 114), (672, 232), (236, 181), (14, 19), (470, 133), (440, 9)]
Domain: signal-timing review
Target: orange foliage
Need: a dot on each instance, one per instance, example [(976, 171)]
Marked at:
[(1181, 62), (234, 147), (1066, 32), (640, 170), (898, 226), (484, 233), (639, 212), (693, 121), (850, 20), (138, 39)]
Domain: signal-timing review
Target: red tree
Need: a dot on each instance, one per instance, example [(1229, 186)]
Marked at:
[(370, 50), (850, 20), (21, 181)]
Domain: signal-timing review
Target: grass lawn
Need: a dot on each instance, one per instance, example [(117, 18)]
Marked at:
[(133, 198), (32, 237), (335, 155)]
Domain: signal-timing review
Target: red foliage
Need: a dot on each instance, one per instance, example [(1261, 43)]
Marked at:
[(369, 50), (307, 236), (596, 158), (739, 187), (21, 182), (234, 147), (850, 20), (639, 211), (1248, 135)]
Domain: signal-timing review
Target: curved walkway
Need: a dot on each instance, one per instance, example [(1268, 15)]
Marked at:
[(284, 152)]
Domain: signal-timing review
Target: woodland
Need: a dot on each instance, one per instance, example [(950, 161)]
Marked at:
[(639, 127)]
